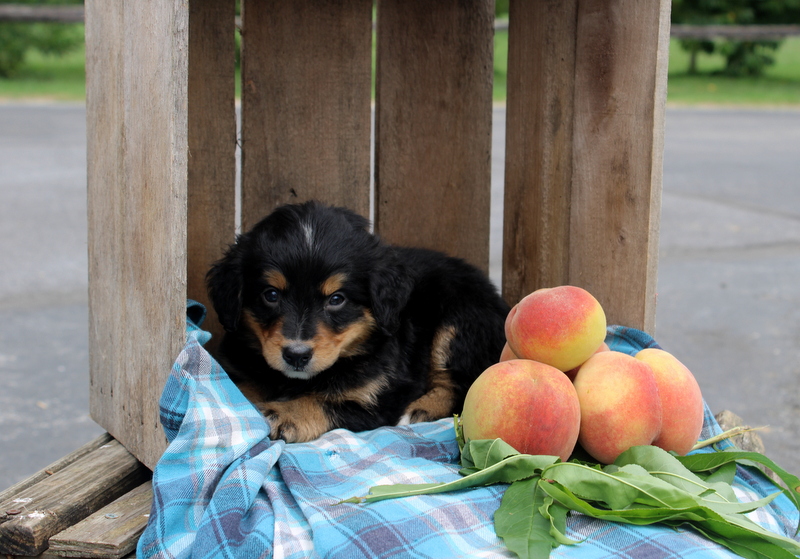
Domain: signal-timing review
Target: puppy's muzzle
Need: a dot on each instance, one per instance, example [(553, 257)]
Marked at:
[(297, 355)]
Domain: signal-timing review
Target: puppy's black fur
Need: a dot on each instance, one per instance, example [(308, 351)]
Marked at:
[(327, 326)]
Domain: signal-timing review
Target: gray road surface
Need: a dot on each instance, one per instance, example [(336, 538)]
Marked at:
[(728, 294)]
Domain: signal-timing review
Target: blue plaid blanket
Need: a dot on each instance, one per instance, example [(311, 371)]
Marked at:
[(224, 489)]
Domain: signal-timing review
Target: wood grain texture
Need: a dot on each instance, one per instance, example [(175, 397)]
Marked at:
[(538, 172), (56, 466), (586, 99), (67, 497), (306, 68), (620, 97), (433, 125), (212, 146), (137, 76), (110, 533)]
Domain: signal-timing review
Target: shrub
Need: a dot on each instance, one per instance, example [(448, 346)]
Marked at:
[(16, 39)]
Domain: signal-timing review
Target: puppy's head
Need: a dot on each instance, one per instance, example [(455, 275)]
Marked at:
[(307, 286)]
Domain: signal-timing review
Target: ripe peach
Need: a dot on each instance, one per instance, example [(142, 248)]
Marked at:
[(681, 401), (507, 354), (572, 372), (620, 404), (531, 406), (560, 326)]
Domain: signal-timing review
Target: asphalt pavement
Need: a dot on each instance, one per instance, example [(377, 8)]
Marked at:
[(728, 289)]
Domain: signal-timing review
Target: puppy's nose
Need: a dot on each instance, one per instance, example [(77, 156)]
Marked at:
[(297, 355)]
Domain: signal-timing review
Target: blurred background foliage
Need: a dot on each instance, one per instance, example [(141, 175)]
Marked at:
[(741, 57), (17, 39), (47, 59)]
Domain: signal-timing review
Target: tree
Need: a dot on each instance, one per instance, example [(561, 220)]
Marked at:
[(741, 57), (16, 39)]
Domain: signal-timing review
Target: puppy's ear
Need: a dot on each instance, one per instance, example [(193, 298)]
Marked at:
[(390, 288), (225, 283)]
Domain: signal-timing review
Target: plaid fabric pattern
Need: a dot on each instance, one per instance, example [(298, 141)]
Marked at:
[(223, 489)]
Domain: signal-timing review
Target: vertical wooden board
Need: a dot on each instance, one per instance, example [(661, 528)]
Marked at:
[(212, 146), (620, 91), (306, 68), (538, 173), (137, 158), (433, 125), (105, 147)]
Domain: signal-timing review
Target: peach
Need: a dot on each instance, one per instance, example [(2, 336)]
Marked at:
[(531, 406), (572, 372), (620, 404), (507, 354), (681, 401), (560, 326)]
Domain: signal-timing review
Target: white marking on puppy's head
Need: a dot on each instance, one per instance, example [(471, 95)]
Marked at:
[(308, 232)]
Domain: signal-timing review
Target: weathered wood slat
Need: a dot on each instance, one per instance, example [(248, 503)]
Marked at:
[(212, 146), (734, 32), (31, 517), (434, 125), (55, 467), (586, 98), (137, 150), (618, 139), (110, 533), (538, 174), (306, 116), (32, 14)]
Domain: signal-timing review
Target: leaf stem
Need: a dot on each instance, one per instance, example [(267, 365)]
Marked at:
[(741, 429)]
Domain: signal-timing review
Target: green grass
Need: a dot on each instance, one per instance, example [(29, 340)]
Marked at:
[(44, 77), (780, 84), (52, 78)]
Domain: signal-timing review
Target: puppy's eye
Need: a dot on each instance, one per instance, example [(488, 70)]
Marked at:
[(336, 300), (271, 295)]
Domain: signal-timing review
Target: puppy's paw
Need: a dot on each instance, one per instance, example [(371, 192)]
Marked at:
[(435, 404), (416, 415), (295, 421)]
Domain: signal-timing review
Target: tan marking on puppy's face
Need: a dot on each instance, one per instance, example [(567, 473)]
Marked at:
[(296, 421), (332, 284), (327, 345), (276, 279), (330, 345), (271, 340)]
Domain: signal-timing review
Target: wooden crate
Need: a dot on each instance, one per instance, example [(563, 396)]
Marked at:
[(585, 110)]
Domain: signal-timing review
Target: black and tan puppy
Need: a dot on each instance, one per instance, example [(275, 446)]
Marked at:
[(327, 326)]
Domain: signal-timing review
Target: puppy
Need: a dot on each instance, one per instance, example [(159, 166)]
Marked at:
[(328, 327)]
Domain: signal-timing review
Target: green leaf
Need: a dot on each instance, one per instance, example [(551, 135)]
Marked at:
[(646, 485), (666, 467), (513, 468), (639, 516), (748, 535), (618, 487), (557, 514), (744, 547), (481, 454), (751, 543), (525, 531), (710, 461), (724, 474)]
